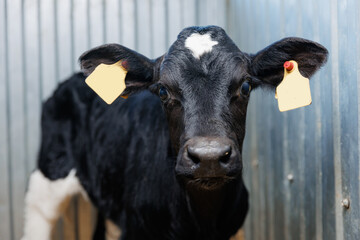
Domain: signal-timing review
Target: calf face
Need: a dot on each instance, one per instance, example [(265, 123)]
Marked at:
[(204, 82)]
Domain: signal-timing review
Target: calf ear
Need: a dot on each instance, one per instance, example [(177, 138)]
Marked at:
[(267, 65), (142, 71)]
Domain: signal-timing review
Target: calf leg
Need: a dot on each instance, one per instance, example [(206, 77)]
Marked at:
[(45, 201), (100, 228), (106, 229)]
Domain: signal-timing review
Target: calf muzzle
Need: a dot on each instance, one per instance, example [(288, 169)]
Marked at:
[(208, 158)]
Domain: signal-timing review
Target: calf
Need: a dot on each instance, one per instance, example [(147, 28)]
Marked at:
[(166, 162)]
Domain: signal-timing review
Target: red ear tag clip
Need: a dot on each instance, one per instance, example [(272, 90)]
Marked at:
[(289, 66), (125, 64)]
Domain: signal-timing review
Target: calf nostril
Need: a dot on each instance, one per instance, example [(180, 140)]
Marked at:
[(225, 157), (192, 155)]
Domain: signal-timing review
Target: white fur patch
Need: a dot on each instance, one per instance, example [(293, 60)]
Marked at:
[(45, 201), (199, 44)]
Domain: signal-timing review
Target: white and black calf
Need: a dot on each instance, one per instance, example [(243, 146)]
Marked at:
[(166, 162)]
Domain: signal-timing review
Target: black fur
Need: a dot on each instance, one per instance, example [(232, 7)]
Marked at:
[(123, 159), (127, 154)]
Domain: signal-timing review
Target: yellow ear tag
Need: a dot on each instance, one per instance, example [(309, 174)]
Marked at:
[(108, 81), (294, 90)]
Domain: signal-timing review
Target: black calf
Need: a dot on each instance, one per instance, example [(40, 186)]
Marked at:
[(165, 165)]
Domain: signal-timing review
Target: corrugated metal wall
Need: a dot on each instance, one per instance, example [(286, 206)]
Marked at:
[(40, 41), (301, 164)]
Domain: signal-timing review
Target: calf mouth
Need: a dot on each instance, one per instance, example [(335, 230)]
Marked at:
[(209, 183)]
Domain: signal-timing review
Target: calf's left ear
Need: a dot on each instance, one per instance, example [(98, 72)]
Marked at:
[(141, 71), (267, 65)]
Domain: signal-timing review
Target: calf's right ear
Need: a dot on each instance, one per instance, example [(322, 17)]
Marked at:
[(142, 71)]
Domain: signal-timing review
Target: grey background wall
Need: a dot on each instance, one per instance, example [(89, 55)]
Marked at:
[(299, 165), (317, 146)]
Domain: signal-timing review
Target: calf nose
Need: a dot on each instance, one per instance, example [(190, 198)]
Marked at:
[(207, 157), (212, 153)]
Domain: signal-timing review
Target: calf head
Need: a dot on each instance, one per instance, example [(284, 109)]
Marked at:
[(204, 82)]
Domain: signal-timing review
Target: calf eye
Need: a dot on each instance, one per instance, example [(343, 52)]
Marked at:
[(163, 94), (245, 88)]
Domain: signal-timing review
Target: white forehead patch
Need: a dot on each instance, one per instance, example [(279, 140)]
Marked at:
[(199, 44)]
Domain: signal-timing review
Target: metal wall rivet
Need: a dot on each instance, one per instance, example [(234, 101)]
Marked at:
[(290, 177), (345, 203)]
